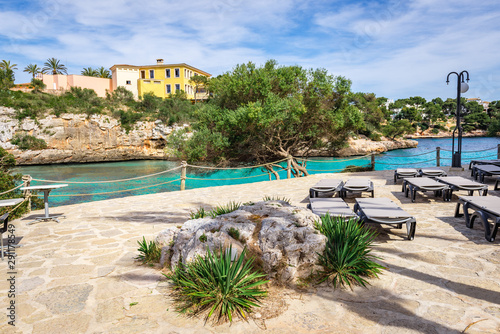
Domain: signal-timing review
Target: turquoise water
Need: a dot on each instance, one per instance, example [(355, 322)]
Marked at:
[(422, 156)]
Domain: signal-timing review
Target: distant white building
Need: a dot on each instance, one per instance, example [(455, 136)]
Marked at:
[(485, 104)]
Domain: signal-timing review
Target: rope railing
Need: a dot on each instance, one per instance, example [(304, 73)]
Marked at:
[(11, 190), (406, 163), (227, 178), (338, 169), (413, 155), (330, 161), (111, 192), (487, 149), (110, 181), (244, 167)]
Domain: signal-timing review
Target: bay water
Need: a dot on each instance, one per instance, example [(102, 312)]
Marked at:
[(94, 181)]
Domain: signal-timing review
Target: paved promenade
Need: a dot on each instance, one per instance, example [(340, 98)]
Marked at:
[(80, 276)]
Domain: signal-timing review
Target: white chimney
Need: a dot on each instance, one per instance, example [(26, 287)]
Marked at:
[(159, 61)]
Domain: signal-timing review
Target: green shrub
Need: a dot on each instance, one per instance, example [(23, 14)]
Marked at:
[(148, 252), (354, 169), (234, 233), (200, 213), (203, 238), (217, 284), (346, 258), (128, 119), (26, 142), (223, 209), (435, 131), (275, 198)]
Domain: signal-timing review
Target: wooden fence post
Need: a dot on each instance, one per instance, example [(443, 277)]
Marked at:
[(373, 161), (438, 156), (27, 194), (289, 167), (183, 175)]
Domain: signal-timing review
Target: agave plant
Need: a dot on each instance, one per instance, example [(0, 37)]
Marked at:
[(223, 209), (218, 285), (148, 252), (346, 258), (276, 198)]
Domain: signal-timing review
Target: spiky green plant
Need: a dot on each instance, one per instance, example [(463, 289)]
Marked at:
[(148, 252), (223, 209), (200, 213), (346, 258), (218, 286), (276, 198)]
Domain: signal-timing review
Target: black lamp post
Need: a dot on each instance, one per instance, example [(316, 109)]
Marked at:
[(462, 87)]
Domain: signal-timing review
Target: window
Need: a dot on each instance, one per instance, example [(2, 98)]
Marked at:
[(157, 82), (128, 82), (177, 72), (167, 73), (177, 87), (168, 89), (151, 74), (147, 81), (143, 74)]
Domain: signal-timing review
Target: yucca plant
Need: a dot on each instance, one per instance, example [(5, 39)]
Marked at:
[(148, 252), (218, 286), (276, 198), (200, 213), (223, 209), (346, 258)]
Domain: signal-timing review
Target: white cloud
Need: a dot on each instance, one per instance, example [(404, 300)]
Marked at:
[(395, 49)]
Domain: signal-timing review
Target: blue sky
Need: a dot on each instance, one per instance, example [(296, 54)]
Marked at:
[(392, 48)]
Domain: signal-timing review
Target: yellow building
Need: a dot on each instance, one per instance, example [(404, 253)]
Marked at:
[(160, 79)]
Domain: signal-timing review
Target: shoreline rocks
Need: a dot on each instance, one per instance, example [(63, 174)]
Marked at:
[(75, 138)]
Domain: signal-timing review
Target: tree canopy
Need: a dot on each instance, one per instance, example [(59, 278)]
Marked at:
[(268, 113)]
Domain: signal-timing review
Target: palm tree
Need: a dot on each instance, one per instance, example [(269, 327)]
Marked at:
[(32, 69), (103, 73), (53, 65), (89, 72), (6, 65)]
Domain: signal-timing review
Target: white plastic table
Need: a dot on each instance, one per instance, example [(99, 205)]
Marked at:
[(46, 190)]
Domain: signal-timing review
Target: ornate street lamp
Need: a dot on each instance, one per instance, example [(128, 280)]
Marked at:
[(462, 87)]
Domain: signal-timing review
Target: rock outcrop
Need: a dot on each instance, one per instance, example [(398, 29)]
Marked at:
[(363, 145), (280, 236), (76, 138)]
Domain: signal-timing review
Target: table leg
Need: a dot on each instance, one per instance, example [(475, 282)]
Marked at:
[(46, 202)]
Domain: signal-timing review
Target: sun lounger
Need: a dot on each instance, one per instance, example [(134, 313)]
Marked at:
[(401, 173), (412, 185), (335, 207), (480, 171), (432, 172), (485, 208), (357, 185), (385, 211), (457, 183), (484, 162), (326, 186)]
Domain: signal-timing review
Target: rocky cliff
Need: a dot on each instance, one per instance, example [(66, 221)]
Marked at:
[(73, 138), (76, 138)]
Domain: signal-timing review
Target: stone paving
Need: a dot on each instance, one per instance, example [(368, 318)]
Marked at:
[(80, 276)]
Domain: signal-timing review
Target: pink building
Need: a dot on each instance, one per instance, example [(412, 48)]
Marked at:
[(60, 82)]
